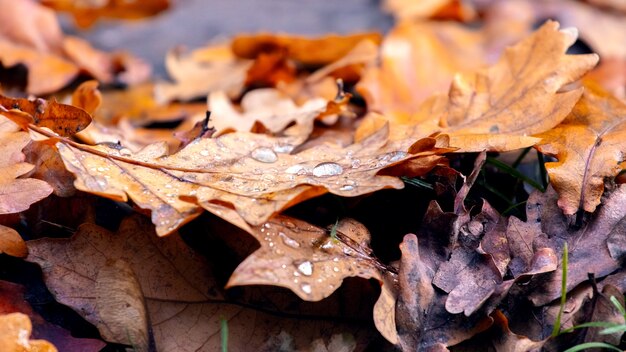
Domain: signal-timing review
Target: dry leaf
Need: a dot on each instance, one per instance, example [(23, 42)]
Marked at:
[(312, 264), (211, 69), (589, 145), (12, 301), (183, 300), (414, 10), (121, 307), (16, 194), (12, 243), (15, 329), (86, 13), (308, 51)]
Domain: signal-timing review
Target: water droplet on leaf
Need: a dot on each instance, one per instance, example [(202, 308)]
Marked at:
[(327, 169), (264, 155), (305, 267)]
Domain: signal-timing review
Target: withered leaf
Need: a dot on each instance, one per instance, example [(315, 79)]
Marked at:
[(16, 194), (596, 248), (308, 261), (63, 119), (86, 13), (252, 172), (12, 301), (589, 145), (15, 329), (183, 299), (309, 51), (11, 242)]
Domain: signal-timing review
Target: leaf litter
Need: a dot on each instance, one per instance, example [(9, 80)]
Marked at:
[(277, 148)]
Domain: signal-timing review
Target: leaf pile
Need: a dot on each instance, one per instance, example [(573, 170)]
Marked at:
[(324, 191)]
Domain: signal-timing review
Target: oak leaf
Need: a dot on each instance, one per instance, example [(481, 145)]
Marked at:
[(11, 242), (12, 301), (311, 263), (16, 194), (184, 301), (86, 13), (589, 145)]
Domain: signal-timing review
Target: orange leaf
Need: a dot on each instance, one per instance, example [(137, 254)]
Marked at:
[(589, 145), (15, 329), (309, 51), (11, 242)]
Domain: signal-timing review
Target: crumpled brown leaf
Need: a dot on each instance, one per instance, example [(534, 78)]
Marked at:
[(184, 301), (589, 145), (312, 264)]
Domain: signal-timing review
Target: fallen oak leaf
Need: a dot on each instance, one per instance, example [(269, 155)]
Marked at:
[(311, 263), (12, 243), (589, 145), (16, 194), (183, 299)]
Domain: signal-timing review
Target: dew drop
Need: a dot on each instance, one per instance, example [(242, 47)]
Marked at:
[(296, 170), (267, 225), (204, 152), (289, 241), (100, 168), (346, 188), (288, 224), (327, 169), (327, 245), (335, 269), (305, 267), (355, 163), (306, 288), (264, 155), (287, 148)]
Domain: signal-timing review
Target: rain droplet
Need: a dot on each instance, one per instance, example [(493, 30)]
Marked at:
[(306, 288), (335, 269), (267, 225), (327, 169), (346, 188), (288, 224), (327, 245), (204, 152), (287, 148), (264, 155), (355, 163), (100, 168), (289, 241), (296, 170), (305, 267)]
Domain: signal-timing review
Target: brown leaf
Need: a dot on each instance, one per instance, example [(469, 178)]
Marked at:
[(12, 301), (312, 264), (252, 172), (15, 329), (16, 194), (443, 9), (120, 306), (64, 120), (595, 248), (589, 145), (210, 69), (86, 13), (183, 299), (309, 51), (12, 243)]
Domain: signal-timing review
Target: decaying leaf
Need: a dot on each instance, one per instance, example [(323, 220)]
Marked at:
[(309, 51), (589, 145), (11, 242), (595, 248), (311, 263), (12, 301), (15, 329), (183, 300), (85, 13), (16, 194), (414, 10)]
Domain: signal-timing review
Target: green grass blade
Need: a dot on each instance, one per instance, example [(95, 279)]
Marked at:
[(584, 346), (619, 306), (416, 182), (515, 173), (520, 157), (614, 329), (591, 324), (224, 334), (543, 173), (333, 230), (557, 323)]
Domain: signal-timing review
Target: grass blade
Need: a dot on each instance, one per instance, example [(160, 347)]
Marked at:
[(618, 305), (557, 323), (224, 334), (613, 329), (584, 346), (592, 324), (515, 173)]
